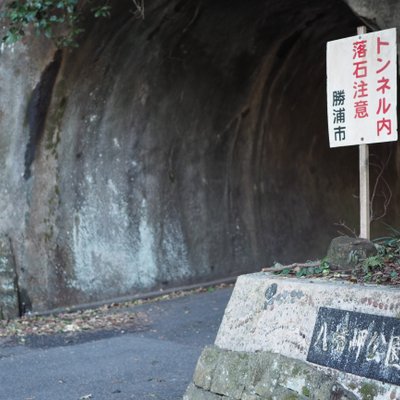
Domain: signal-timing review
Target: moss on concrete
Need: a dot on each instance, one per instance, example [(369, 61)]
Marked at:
[(305, 391), (291, 396), (368, 391), (263, 376)]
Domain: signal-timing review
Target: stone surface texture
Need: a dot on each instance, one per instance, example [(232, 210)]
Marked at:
[(263, 375), (185, 147), (383, 14), (266, 331), (345, 252), (255, 320), (9, 301)]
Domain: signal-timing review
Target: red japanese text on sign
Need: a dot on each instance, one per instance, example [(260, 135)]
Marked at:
[(360, 86), (383, 124)]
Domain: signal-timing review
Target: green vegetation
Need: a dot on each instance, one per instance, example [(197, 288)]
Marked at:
[(58, 20), (291, 397), (306, 391), (382, 268), (368, 391), (305, 270)]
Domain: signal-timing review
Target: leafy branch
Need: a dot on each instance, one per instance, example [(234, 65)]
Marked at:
[(58, 20)]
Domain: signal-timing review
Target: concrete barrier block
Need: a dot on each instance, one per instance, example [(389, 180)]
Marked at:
[(347, 332)]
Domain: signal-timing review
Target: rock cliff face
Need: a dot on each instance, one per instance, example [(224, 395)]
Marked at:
[(184, 147)]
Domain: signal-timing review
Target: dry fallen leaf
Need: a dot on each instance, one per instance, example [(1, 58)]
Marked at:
[(107, 317)]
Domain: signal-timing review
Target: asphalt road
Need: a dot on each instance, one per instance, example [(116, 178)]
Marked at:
[(154, 360)]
